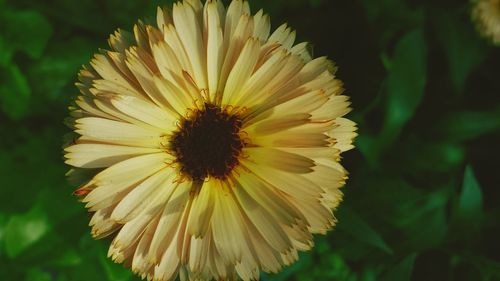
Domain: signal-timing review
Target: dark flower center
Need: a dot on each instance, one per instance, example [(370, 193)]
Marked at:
[(208, 143)]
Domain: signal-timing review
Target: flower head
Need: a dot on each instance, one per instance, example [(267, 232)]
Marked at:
[(213, 145), (486, 16)]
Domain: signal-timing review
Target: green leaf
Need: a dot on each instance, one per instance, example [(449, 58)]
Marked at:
[(391, 17), (3, 223), (22, 231), (354, 225), (444, 156), (471, 198), (114, 272), (56, 71), (53, 201), (489, 268), (321, 245), (27, 31), (14, 92), (62, 277), (289, 271), (5, 52), (401, 271), (31, 160), (404, 86), (369, 147), (36, 274), (462, 47), (423, 221), (467, 125), (70, 257), (330, 266), (406, 83)]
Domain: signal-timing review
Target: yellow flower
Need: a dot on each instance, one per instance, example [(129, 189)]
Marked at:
[(486, 16), (213, 145)]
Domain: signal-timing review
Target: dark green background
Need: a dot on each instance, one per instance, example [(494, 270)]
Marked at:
[(422, 202)]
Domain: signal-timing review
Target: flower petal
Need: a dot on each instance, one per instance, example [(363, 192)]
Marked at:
[(344, 134), (92, 155), (279, 159), (114, 132), (156, 188)]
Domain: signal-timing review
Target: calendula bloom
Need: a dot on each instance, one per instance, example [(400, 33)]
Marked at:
[(486, 16), (212, 145)]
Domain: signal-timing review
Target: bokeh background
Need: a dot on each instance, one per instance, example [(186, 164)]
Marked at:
[(422, 202)]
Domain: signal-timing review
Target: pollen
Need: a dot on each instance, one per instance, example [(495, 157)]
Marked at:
[(208, 143)]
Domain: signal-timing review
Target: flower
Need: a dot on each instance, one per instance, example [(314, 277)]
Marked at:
[(213, 147), (486, 16)]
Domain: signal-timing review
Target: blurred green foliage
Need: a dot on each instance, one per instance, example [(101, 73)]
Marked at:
[(422, 202)]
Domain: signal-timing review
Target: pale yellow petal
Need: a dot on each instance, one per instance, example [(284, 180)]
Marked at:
[(279, 159), (226, 226), (336, 106), (114, 132), (270, 198), (284, 36), (132, 230), (285, 77), (262, 220), (302, 50), (108, 70), (141, 63), (166, 59), (172, 38), (319, 217), (188, 28), (270, 125), (114, 183), (157, 188), (289, 183), (267, 256), (120, 40), (215, 40), (262, 77), (102, 224), (168, 241), (106, 106), (344, 134), (90, 109), (202, 209), (140, 262), (235, 43), (235, 11), (198, 255), (163, 17), (103, 87), (146, 112), (241, 71), (119, 61), (166, 232), (93, 155), (262, 26), (141, 36), (179, 101), (307, 135)]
